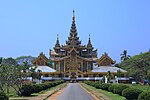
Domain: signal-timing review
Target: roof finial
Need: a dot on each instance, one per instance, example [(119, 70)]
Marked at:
[(89, 36), (73, 15), (73, 12), (57, 36), (57, 41)]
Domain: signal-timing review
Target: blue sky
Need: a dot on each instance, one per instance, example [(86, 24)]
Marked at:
[(28, 27)]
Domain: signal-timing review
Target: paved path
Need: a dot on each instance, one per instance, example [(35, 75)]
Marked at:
[(74, 92)]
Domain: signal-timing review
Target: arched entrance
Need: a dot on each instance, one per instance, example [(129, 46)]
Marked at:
[(73, 77)]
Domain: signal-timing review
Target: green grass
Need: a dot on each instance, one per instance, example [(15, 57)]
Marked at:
[(139, 86), (108, 95), (111, 96), (13, 93)]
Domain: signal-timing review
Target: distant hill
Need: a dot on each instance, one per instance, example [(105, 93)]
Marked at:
[(22, 59), (137, 66)]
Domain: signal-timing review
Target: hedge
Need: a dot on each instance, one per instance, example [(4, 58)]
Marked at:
[(3, 96), (111, 88), (28, 89), (105, 86), (119, 88), (144, 95), (131, 93), (124, 90)]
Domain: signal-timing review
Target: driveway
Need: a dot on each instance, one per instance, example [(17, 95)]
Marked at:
[(74, 92)]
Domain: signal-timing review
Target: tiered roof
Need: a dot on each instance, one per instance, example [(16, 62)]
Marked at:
[(42, 58), (105, 60)]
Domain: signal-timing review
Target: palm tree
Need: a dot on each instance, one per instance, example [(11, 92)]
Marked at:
[(124, 56)]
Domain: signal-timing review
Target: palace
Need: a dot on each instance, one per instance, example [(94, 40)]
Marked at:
[(74, 60)]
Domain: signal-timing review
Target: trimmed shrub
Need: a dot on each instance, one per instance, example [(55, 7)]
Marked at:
[(131, 93), (119, 88), (97, 85), (28, 89), (111, 88), (38, 87), (105, 86), (144, 95), (3, 96)]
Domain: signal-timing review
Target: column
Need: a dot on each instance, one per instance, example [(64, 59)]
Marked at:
[(82, 65), (59, 66), (87, 66), (64, 65)]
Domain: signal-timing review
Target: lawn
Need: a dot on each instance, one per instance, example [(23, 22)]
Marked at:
[(13, 93)]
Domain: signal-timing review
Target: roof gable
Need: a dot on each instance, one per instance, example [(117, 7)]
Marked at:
[(105, 60), (40, 58)]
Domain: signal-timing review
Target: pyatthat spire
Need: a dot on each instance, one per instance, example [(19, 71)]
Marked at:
[(73, 30), (57, 45), (73, 39), (89, 45), (57, 42)]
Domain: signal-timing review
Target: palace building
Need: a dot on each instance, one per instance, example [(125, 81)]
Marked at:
[(74, 60)]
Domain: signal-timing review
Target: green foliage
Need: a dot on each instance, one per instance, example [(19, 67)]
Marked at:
[(105, 86), (1, 59), (20, 60), (124, 56), (10, 76), (144, 95), (119, 73), (111, 88), (131, 93), (10, 62), (39, 74), (23, 57), (109, 76), (98, 85), (117, 89), (28, 89), (3, 96), (94, 84), (114, 86), (137, 66), (148, 76)]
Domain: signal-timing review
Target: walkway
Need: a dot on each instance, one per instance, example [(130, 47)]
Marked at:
[(73, 92)]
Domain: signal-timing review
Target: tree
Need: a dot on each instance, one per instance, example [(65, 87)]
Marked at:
[(148, 78), (119, 73), (124, 56), (10, 76), (109, 76), (33, 73), (10, 62), (39, 73), (1, 59), (137, 66)]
